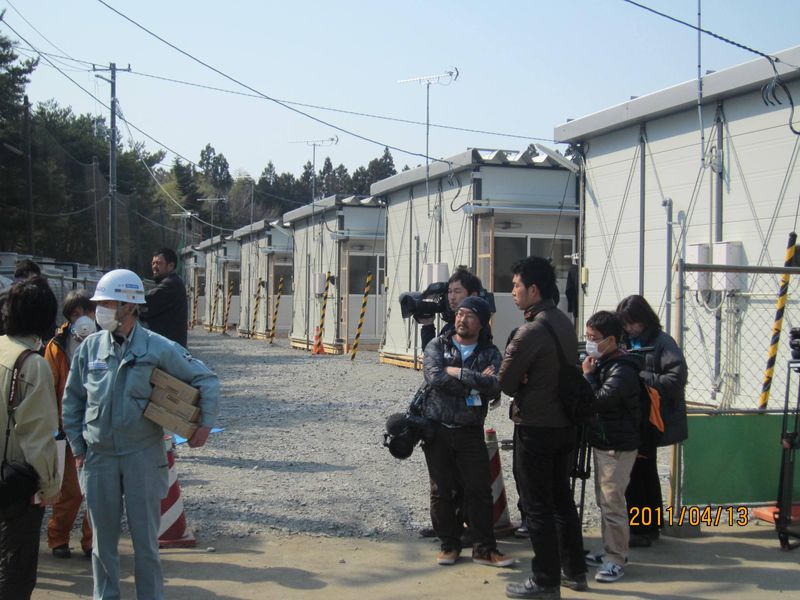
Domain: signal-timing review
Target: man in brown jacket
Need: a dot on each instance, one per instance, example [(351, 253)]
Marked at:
[(544, 438)]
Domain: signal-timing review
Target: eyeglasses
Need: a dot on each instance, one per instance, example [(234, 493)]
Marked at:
[(593, 338)]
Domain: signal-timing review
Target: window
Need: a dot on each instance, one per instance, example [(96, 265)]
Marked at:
[(359, 266), (234, 278), (507, 251), (284, 271), (558, 248)]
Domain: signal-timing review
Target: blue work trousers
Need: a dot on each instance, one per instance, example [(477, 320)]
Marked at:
[(141, 479)]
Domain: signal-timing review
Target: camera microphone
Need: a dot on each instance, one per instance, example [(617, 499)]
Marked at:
[(396, 424)]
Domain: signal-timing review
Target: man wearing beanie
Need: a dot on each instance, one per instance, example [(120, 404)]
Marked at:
[(460, 368)]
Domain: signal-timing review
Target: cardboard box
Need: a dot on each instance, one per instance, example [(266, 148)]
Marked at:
[(170, 403), (170, 421), (175, 388)]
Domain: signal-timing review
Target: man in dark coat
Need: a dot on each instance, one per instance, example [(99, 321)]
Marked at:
[(167, 307)]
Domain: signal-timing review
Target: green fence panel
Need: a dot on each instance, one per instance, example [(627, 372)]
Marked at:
[(730, 459)]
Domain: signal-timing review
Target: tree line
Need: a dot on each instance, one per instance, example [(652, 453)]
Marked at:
[(54, 167)]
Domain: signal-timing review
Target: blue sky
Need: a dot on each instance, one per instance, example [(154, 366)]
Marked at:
[(525, 67)]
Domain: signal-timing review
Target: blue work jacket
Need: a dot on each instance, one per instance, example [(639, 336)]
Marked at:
[(105, 397)]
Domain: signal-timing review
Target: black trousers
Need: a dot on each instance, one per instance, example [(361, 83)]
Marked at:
[(457, 459), (644, 491), (19, 553), (543, 460)]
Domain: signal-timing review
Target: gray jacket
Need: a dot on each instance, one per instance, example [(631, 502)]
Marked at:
[(446, 401)]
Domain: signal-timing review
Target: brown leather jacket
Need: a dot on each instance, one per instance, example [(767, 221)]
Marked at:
[(532, 353)]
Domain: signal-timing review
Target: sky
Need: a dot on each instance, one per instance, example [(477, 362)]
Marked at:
[(524, 68)]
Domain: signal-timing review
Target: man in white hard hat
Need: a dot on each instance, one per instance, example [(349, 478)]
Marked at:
[(120, 453)]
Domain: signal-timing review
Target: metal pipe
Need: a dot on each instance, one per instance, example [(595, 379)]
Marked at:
[(667, 202), (642, 181)]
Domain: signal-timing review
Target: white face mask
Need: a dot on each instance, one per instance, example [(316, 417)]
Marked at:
[(107, 318), (593, 350), (83, 327)]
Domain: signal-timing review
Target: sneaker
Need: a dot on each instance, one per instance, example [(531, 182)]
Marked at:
[(593, 560), (577, 583), (62, 551), (522, 531), (448, 556), (609, 573), (530, 589), (427, 532), (492, 558)]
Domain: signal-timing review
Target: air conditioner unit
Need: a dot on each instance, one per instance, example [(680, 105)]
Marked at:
[(730, 254), (698, 254), (319, 283)]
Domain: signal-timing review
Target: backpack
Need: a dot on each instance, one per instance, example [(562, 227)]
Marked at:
[(575, 393)]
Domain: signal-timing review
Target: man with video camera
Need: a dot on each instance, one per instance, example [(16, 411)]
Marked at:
[(462, 283), (460, 369)]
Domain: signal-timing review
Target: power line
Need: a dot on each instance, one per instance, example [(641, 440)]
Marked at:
[(267, 97), (772, 59), (16, 10)]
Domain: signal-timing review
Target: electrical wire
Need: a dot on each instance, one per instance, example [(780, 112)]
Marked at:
[(16, 10), (62, 214), (267, 97), (770, 58)]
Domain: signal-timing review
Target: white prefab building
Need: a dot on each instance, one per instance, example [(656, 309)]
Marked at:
[(338, 239), (193, 271), (221, 259), (265, 267), (485, 209), (670, 176)]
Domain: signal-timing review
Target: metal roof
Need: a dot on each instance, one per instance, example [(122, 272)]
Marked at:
[(324, 204), (469, 159), (250, 229), (726, 83)]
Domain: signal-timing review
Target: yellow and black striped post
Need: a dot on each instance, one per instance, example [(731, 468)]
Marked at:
[(780, 306), (252, 331), (367, 286), (195, 300), (213, 318), (227, 312), (277, 306), (319, 345)]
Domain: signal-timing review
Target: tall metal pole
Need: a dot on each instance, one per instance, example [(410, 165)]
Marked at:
[(667, 202), (29, 169), (112, 169), (642, 166)]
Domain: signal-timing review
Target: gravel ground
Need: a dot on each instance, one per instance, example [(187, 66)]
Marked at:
[(301, 450)]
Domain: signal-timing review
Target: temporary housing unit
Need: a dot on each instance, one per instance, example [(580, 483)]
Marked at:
[(338, 240), (485, 209), (710, 179), (221, 257), (266, 269), (193, 272)]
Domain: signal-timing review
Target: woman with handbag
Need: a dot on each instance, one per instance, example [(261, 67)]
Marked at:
[(28, 420)]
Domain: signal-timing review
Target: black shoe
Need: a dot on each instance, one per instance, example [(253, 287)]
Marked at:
[(639, 541), (530, 589), (87, 553), (577, 583), (62, 551), (427, 532)]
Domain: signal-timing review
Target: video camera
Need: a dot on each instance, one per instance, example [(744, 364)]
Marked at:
[(433, 301), (405, 430)]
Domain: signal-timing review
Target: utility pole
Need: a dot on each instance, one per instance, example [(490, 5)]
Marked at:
[(445, 78), (112, 166), (313, 143), (213, 202), (29, 169)]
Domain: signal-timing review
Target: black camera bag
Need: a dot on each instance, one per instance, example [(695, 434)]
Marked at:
[(18, 480)]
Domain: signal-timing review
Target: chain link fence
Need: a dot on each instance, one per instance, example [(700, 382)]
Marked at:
[(727, 315)]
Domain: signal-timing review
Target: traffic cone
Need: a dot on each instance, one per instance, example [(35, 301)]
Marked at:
[(318, 347), (172, 531), (500, 517)]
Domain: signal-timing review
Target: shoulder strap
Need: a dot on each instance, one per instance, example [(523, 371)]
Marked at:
[(12, 395), (561, 358)]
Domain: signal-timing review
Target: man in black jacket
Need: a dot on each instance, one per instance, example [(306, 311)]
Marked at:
[(544, 437), (167, 307), (460, 373), (614, 435)]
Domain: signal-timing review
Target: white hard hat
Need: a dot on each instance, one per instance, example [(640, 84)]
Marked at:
[(121, 285)]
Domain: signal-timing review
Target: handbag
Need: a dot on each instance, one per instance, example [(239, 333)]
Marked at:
[(19, 481)]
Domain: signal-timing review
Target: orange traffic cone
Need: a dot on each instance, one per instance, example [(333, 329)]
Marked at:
[(500, 517), (319, 347), (172, 531)]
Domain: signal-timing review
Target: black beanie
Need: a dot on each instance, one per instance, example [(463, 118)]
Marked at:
[(479, 306)]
